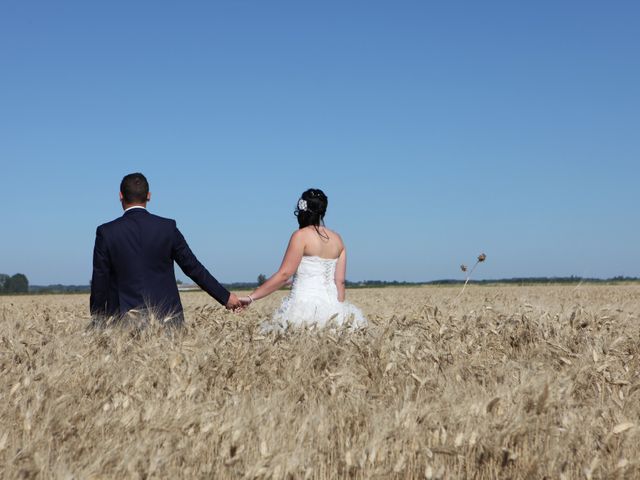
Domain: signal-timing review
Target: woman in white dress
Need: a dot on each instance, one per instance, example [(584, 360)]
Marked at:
[(318, 258)]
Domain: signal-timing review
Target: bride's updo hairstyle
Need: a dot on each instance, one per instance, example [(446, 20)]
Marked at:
[(311, 209)]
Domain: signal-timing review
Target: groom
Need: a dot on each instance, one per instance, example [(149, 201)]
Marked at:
[(133, 263)]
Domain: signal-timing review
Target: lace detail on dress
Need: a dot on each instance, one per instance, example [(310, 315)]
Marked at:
[(313, 300)]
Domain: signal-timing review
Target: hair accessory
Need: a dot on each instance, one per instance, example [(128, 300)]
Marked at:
[(302, 205)]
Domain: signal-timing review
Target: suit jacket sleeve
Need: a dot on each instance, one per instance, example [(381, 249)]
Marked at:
[(190, 265), (100, 276)]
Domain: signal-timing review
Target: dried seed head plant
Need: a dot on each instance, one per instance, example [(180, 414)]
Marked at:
[(481, 258)]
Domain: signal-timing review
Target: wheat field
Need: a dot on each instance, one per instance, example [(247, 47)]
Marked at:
[(504, 382)]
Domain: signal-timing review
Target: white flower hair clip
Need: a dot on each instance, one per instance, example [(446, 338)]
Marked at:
[(302, 205)]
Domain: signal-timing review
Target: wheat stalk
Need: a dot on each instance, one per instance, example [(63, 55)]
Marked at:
[(430, 390)]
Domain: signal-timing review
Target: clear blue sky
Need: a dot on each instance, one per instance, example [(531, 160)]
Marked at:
[(437, 129)]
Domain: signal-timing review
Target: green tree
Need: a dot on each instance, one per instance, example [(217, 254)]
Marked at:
[(3, 280), (261, 279), (16, 284)]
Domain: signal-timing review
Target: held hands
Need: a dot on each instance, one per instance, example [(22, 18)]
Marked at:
[(234, 303), (238, 304), (246, 301)]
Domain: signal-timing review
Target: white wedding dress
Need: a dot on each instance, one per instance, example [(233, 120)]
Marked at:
[(313, 300)]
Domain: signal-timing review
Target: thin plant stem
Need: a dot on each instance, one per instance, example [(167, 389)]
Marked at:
[(467, 280)]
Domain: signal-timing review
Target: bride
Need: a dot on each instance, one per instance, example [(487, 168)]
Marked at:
[(318, 258)]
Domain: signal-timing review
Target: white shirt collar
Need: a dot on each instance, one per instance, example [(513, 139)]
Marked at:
[(135, 206)]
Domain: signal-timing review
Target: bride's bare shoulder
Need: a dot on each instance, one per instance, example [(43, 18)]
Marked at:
[(333, 233), (298, 234)]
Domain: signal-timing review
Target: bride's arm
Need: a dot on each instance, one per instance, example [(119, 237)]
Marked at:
[(292, 258), (341, 271)]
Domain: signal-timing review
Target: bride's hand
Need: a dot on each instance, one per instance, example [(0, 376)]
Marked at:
[(246, 301)]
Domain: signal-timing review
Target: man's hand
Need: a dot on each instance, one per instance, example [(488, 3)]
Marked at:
[(234, 303)]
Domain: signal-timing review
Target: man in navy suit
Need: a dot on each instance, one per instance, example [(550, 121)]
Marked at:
[(133, 263)]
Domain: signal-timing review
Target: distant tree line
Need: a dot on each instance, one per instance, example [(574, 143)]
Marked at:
[(58, 288), (246, 285), (17, 283), (509, 281)]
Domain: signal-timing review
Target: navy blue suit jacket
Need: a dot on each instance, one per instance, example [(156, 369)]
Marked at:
[(133, 266)]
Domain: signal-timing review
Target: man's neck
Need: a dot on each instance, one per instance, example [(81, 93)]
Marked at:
[(135, 205)]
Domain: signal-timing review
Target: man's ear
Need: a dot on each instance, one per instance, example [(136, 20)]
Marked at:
[(121, 196), (148, 196)]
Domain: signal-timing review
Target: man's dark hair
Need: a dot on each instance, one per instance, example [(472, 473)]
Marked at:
[(134, 188)]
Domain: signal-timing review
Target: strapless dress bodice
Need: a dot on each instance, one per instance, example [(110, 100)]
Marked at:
[(313, 300), (317, 275)]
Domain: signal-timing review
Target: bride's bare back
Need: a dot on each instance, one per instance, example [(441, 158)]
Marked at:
[(323, 242)]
